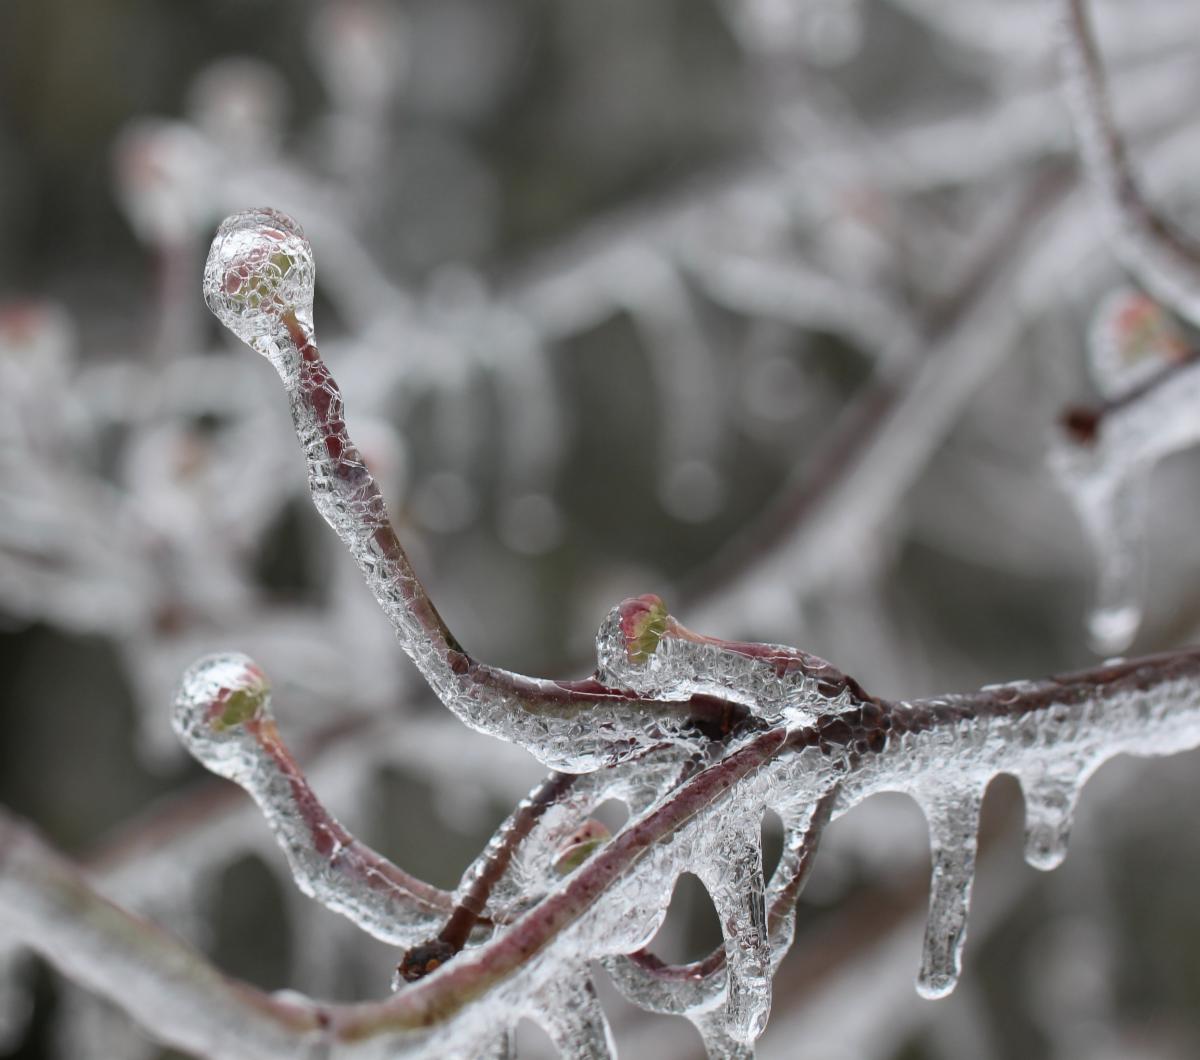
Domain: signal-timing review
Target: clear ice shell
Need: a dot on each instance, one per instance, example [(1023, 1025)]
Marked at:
[(953, 819), (259, 269), (678, 668), (219, 698)]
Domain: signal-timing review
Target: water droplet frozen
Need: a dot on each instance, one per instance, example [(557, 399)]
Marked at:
[(1049, 809), (260, 272), (220, 696)]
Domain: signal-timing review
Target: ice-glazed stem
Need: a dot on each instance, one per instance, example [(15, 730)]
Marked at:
[(223, 716), (259, 281), (694, 989), (167, 987), (44, 901), (473, 893), (1062, 727), (1164, 260), (643, 648), (1104, 465)]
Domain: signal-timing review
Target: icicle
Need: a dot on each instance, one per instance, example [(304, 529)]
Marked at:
[(570, 1013), (953, 818), (731, 870), (1049, 808), (688, 377), (1139, 363), (1113, 511), (718, 1043)]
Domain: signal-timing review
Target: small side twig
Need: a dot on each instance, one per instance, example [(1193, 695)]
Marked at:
[(1164, 259)]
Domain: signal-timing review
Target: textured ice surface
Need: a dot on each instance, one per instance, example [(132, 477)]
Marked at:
[(260, 267), (641, 647), (1106, 477), (831, 745), (223, 716), (259, 283)]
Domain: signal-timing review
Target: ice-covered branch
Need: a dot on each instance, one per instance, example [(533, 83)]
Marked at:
[(223, 716), (1164, 259), (1052, 734), (1150, 387), (259, 281)]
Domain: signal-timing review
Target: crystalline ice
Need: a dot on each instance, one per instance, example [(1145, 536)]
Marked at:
[(732, 873), (640, 647), (260, 268), (1049, 809), (953, 824), (223, 716), (1106, 476)]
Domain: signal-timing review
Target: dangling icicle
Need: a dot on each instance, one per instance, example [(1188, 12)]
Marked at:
[(568, 1010), (732, 872), (953, 817), (1140, 365), (1050, 800)]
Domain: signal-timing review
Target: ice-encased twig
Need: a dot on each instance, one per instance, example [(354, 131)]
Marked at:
[(1104, 464), (223, 717), (1165, 260), (259, 281), (1066, 726), (642, 647)]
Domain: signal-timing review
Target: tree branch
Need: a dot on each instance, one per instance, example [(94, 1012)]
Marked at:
[(1165, 260)]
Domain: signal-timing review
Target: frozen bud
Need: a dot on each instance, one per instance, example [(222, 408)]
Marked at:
[(643, 622), (628, 637), (1132, 339), (580, 846), (222, 702), (259, 276)]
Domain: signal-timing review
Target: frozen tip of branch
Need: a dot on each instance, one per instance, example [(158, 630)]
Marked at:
[(1133, 338), (220, 698), (260, 272)]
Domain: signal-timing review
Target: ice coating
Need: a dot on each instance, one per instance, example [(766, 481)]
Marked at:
[(572, 726), (223, 716), (260, 268), (943, 752), (953, 818), (1105, 471), (820, 746), (643, 648)]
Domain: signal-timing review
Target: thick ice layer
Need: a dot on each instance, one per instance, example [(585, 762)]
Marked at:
[(223, 716), (1107, 478), (259, 282), (259, 269), (641, 647)]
